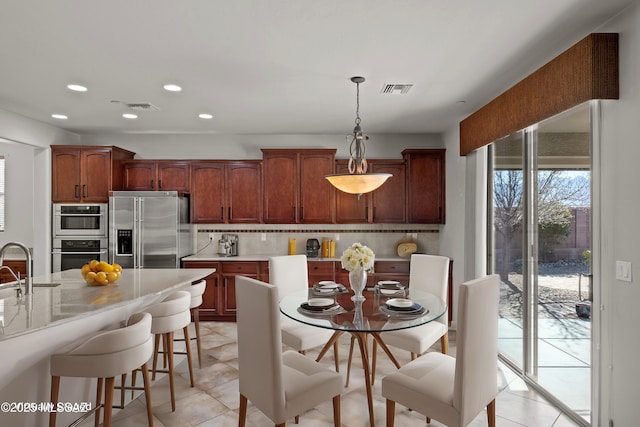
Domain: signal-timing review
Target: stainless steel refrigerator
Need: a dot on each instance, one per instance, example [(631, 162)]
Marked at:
[(149, 229)]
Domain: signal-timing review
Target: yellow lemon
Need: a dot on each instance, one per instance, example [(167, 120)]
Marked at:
[(105, 266), (117, 267), (112, 276), (93, 264), (84, 270), (101, 278)]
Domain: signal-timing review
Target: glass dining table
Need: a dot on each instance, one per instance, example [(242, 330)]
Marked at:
[(378, 313)]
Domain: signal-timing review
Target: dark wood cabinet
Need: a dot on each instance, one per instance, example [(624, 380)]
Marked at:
[(17, 266), (226, 192), (425, 185), (320, 270), (384, 205), (295, 190), (85, 174), (210, 308), (152, 175)]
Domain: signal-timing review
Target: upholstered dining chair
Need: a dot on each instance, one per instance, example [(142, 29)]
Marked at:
[(455, 390), (289, 273), (104, 356), (281, 385), (429, 273)]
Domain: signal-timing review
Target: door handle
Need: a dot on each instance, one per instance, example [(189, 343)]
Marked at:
[(77, 191), (159, 184), (152, 184), (84, 190)]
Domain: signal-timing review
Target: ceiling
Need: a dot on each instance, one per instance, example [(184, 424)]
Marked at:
[(278, 66)]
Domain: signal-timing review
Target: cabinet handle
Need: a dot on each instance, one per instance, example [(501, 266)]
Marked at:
[(159, 184), (222, 212), (76, 191), (366, 212), (302, 213), (229, 212), (294, 212), (152, 184), (84, 190)]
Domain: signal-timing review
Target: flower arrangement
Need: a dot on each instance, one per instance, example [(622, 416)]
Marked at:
[(358, 256)]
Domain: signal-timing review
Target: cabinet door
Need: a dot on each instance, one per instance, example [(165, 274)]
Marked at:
[(389, 201), (320, 270), (228, 294), (207, 193), (349, 207), (95, 167), (425, 186), (280, 187), (173, 176), (139, 175), (317, 195), (65, 170), (244, 192), (210, 308)]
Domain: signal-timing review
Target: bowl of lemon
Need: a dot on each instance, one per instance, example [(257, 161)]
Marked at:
[(100, 273)]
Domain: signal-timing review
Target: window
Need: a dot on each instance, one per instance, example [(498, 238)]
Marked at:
[(1, 193)]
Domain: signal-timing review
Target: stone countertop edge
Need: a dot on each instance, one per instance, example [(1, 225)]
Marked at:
[(266, 258), (74, 300)]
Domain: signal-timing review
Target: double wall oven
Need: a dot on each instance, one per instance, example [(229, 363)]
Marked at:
[(80, 234)]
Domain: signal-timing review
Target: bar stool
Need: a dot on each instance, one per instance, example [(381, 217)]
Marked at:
[(168, 316), (106, 355), (196, 292)]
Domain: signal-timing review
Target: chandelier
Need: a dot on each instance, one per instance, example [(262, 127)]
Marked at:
[(357, 181)]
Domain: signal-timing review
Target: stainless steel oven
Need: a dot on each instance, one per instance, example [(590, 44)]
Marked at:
[(81, 220), (75, 252)]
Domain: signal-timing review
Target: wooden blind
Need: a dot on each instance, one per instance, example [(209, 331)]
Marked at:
[(587, 70)]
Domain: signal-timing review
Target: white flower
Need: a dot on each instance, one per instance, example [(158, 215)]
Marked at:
[(358, 256)]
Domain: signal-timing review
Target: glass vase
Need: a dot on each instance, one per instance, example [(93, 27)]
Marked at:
[(358, 281)]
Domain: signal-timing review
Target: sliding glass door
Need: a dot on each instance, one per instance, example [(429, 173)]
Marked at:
[(541, 247)]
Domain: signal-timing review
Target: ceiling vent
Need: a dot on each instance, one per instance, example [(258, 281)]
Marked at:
[(143, 107), (396, 88)]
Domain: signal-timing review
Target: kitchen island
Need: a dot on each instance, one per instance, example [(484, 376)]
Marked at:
[(62, 309)]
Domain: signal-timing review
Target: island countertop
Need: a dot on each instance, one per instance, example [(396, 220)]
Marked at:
[(64, 296)]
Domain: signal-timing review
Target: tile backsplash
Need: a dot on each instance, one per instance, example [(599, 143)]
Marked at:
[(270, 239)]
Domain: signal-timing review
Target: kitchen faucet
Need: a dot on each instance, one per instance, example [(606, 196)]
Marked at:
[(28, 285)]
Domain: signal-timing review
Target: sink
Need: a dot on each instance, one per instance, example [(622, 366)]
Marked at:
[(46, 285)]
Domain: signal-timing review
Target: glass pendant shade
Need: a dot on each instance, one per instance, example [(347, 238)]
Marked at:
[(357, 181)]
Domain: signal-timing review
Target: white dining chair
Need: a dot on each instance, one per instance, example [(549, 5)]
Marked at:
[(455, 390), (281, 385), (290, 274), (429, 273)]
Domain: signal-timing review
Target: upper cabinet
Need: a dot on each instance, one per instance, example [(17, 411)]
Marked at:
[(85, 174), (226, 192), (384, 205), (425, 185), (156, 175), (295, 190)]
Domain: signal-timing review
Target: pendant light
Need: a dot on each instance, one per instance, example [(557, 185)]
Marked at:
[(357, 181)]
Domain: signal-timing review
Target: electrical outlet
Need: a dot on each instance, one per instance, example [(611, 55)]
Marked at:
[(623, 271), (212, 236), (337, 238), (263, 237)]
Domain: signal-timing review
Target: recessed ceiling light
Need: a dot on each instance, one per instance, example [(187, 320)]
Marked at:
[(205, 116), (172, 88), (130, 116), (77, 88), (59, 116)]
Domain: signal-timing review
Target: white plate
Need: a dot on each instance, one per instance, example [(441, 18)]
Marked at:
[(388, 282), (389, 291), (400, 303), (320, 302), (327, 284)]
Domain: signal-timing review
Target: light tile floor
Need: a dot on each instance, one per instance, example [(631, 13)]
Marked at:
[(214, 399)]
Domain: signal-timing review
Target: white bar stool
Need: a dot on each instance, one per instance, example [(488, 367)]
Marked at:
[(106, 355), (196, 292), (168, 316)]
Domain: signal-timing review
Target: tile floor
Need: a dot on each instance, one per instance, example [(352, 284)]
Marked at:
[(214, 400)]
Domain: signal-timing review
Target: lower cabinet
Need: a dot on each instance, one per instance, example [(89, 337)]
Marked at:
[(18, 266)]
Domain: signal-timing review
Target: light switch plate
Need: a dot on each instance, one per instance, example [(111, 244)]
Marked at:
[(623, 271), (263, 237)]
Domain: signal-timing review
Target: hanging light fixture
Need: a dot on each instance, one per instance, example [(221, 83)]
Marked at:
[(357, 181)]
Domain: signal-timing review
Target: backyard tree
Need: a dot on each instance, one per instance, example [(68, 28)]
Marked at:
[(557, 192)]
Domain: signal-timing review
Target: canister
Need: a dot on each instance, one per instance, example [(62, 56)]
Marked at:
[(292, 246)]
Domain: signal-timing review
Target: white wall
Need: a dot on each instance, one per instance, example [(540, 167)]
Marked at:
[(620, 228), (233, 147), (28, 187)]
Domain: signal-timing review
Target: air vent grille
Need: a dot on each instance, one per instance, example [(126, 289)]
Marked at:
[(396, 88), (143, 107)]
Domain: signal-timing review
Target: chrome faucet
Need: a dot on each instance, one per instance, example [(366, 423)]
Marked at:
[(18, 288), (28, 285)]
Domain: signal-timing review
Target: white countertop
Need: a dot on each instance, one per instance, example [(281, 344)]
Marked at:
[(74, 299), (265, 257)]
